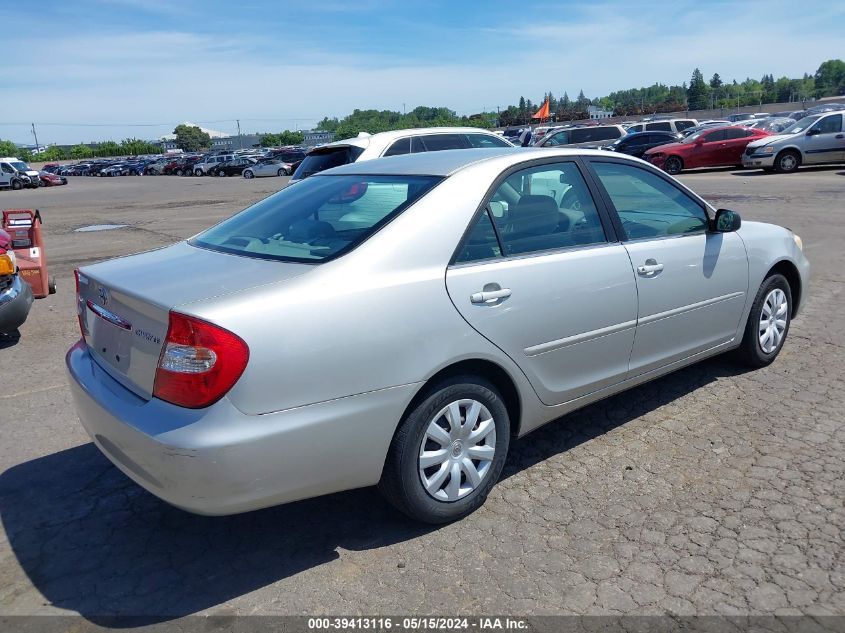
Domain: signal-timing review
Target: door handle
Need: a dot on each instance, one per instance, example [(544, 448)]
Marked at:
[(490, 296), (840, 136), (650, 267)]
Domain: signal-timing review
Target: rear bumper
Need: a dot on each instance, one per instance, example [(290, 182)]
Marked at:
[(15, 303), (220, 461)]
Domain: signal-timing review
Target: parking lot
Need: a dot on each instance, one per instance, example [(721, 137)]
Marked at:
[(714, 490)]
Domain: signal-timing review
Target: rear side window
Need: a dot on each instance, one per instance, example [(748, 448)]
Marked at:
[(663, 126), (317, 219), (438, 142), (714, 136), (636, 128), (480, 243), (402, 146), (486, 140), (324, 159), (589, 134), (735, 133), (558, 138)]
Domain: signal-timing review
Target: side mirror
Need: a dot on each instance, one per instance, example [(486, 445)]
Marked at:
[(813, 131), (726, 221)]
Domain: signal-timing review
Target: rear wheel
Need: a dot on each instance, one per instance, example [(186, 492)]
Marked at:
[(197, 172), (51, 285), (248, 174), (788, 161), (768, 323), (448, 452), (282, 172), (673, 165)]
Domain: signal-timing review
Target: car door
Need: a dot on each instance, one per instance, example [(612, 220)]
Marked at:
[(541, 275), (824, 141), (6, 173), (736, 139), (707, 153), (691, 283)]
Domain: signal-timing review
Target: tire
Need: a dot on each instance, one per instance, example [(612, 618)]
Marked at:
[(178, 172), (197, 172), (51, 285), (401, 480), (753, 351), (248, 174), (673, 165), (17, 185), (788, 161)]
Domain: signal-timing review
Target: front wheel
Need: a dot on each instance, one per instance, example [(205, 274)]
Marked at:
[(768, 323), (448, 452), (788, 161), (17, 185), (248, 174), (673, 165)]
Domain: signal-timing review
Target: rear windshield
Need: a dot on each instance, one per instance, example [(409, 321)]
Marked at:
[(317, 219), (323, 159)]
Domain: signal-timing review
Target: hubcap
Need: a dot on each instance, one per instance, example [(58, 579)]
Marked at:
[(787, 162), (773, 318), (457, 450)]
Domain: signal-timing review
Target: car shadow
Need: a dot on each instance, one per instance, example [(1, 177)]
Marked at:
[(93, 542), (801, 170)]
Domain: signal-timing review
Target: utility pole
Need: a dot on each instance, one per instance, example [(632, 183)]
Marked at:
[(240, 143), (403, 108), (37, 147)]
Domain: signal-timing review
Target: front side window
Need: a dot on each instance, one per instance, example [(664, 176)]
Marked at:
[(648, 205), (715, 136), (664, 126), (560, 138), (7, 169), (683, 125), (317, 219), (541, 208)]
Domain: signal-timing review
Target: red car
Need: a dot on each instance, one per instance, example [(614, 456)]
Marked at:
[(51, 180), (715, 147)]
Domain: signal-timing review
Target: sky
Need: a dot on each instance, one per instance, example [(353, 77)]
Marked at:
[(94, 70)]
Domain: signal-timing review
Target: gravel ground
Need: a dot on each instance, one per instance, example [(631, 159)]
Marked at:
[(711, 491)]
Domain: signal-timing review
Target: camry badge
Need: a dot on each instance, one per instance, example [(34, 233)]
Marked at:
[(104, 296)]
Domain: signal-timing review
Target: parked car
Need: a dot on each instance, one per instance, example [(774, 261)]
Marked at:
[(156, 168), (46, 179), (233, 167), (663, 125), (16, 295), (715, 147), (512, 132), (289, 156), (204, 166), (397, 322), (774, 124), (266, 168), (742, 116), (636, 143), (587, 137), (814, 140), (414, 141)]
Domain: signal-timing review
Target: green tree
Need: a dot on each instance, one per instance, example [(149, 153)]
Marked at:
[(81, 151), (291, 138), (137, 147), (7, 148), (191, 138), (698, 93), (716, 81), (830, 78)]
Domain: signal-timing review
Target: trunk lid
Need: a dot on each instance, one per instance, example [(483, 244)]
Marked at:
[(125, 303)]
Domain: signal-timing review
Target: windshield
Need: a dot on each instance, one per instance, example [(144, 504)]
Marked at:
[(317, 219), (20, 165), (803, 124)]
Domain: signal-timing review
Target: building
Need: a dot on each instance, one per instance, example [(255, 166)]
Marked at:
[(312, 138), (232, 143), (596, 112)]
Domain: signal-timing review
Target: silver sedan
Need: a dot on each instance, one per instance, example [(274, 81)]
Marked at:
[(268, 168), (398, 321)]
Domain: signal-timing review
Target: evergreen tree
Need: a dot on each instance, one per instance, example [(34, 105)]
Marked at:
[(698, 93)]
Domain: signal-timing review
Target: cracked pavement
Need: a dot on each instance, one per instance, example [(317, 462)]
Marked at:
[(714, 490)]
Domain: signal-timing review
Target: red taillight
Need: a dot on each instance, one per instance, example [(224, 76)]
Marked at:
[(199, 362)]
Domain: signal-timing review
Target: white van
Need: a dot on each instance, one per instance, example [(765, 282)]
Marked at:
[(663, 125), (11, 170)]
